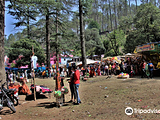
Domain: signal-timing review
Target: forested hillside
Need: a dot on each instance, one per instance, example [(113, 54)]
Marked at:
[(112, 27)]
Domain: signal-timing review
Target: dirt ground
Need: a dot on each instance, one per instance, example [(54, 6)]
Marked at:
[(101, 99)]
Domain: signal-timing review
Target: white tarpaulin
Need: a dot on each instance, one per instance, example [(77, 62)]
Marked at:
[(128, 54), (89, 61)]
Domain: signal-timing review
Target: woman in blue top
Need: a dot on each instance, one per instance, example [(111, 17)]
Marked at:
[(150, 67)]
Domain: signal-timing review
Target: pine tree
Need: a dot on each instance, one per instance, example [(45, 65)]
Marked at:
[(2, 17), (82, 34)]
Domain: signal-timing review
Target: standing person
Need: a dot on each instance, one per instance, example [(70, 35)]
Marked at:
[(83, 71), (47, 73), (14, 76), (7, 78), (50, 73), (122, 65), (114, 68), (150, 68), (11, 77), (91, 73), (110, 69), (147, 71), (143, 74), (117, 69), (106, 69), (76, 83), (71, 84), (18, 75), (26, 76), (99, 71), (103, 69)]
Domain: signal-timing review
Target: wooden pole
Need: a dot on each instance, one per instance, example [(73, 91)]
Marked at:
[(34, 76), (58, 80)]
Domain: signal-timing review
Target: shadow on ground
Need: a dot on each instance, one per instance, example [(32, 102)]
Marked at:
[(50, 105), (6, 112), (38, 96)]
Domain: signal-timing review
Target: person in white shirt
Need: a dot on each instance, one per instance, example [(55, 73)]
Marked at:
[(34, 61), (106, 69), (11, 77)]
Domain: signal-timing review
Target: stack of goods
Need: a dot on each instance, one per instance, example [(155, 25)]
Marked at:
[(57, 94), (123, 75), (64, 90)]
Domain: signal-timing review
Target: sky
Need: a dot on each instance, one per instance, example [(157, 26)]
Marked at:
[(9, 21), (9, 27)]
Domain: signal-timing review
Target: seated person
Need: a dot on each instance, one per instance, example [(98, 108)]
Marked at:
[(24, 89)]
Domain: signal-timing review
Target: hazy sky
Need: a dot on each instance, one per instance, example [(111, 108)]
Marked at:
[(9, 27)]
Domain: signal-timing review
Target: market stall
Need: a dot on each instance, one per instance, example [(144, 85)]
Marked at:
[(150, 51)]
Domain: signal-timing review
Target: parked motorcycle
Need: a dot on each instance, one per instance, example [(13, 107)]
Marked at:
[(5, 99), (13, 95)]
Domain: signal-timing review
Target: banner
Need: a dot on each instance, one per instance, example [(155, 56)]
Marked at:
[(144, 48)]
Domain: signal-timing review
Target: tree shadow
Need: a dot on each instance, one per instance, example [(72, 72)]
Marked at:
[(38, 96), (50, 105)]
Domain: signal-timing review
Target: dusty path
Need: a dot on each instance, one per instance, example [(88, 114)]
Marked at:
[(101, 99)]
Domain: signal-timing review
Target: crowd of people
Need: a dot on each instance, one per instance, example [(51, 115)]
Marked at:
[(13, 76), (131, 65)]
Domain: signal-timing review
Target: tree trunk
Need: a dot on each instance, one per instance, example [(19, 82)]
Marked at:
[(110, 14), (126, 10), (2, 27), (130, 7), (77, 27), (118, 10), (83, 51), (28, 27), (136, 4), (115, 14), (58, 86), (155, 3), (47, 39), (102, 23)]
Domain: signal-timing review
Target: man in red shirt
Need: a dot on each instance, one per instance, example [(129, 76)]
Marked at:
[(76, 83)]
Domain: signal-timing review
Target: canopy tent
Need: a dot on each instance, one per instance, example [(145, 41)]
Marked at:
[(128, 54), (88, 61), (107, 58)]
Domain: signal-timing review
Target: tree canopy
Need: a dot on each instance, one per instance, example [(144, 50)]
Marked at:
[(110, 27), (23, 47), (146, 27)]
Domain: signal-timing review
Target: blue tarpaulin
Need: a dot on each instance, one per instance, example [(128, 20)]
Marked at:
[(41, 68)]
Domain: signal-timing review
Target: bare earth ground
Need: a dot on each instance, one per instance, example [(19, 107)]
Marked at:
[(101, 99)]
